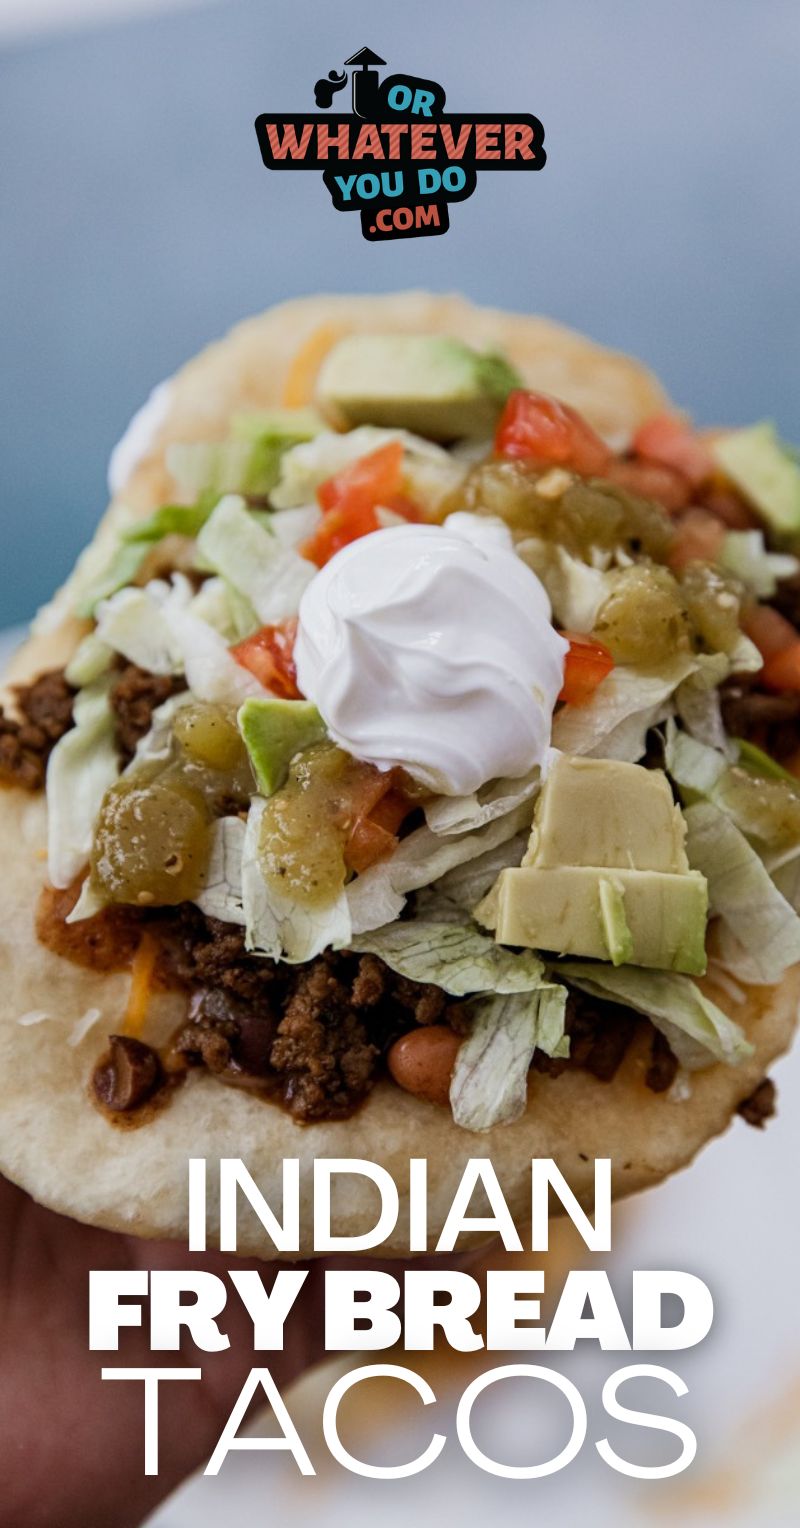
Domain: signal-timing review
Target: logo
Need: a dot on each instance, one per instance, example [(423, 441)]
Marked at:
[(397, 157)]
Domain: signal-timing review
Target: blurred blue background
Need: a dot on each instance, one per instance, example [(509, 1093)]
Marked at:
[(138, 221)]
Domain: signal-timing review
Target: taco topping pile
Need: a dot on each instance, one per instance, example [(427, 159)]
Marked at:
[(430, 737)]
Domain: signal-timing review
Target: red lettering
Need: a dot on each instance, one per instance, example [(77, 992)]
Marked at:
[(288, 146), (429, 214), (327, 140), (422, 135), (455, 148), (368, 143), (384, 219), (393, 131), (486, 136), (517, 141)]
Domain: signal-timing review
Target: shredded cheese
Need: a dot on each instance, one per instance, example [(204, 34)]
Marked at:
[(298, 388), (82, 1026), (142, 971)]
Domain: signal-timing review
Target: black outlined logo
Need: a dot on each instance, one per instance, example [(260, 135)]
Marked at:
[(397, 156)]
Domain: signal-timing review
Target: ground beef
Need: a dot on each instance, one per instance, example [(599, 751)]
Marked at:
[(663, 1067), (134, 697), (313, 1036), (375, 982), (229, 1037), (26, 745), (770, 721), (786, 599), (760, 1106), (599, 1035), (323, 1052)]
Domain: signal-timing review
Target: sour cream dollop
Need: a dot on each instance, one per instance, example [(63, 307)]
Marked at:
[(138, 437), (431, 647)]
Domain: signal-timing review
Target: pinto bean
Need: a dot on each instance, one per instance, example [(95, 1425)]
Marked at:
[(422, 1062), (127, 1075)]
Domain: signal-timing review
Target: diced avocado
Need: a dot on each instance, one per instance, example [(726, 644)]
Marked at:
[(248, 462), (757, 762), (606, 875), (618, 937), (291, 425), (560, 909), (270, 434), (172, 520), (430, 384), (274, 731), (764, 472), (604, 812)]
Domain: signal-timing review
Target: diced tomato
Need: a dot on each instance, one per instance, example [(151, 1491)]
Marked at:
[(585, 666), (651, 480), (536, 428), (365, 482), (668, 439), (351, 498), (380, 809), (698, 537), (770, 630), (269, 654), (781, 671), (367, 843)]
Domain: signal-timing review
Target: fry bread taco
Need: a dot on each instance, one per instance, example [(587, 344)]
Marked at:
[(408, 768)]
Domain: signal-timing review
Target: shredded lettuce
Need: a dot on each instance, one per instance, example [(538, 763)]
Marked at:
[(133, 622), (162, 629), (697, 703), (694, 766), (762, 800), (378, 896), (118, 568), (451, 951), (223, 607), (745, 554), (465, 885), (744, 657), (272, 577), (292, 527), (786, 876), (91, 659), (431, 473), (576, 590), (446, 815), (277, 926), (761, 930), (615, 722), (697, 1030), (83, 764), (212, 674), (221, 892), (489, 1085)]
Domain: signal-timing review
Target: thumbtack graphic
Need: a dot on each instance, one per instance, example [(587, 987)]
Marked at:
[(365, 83), (365, 80), (325, 90)]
